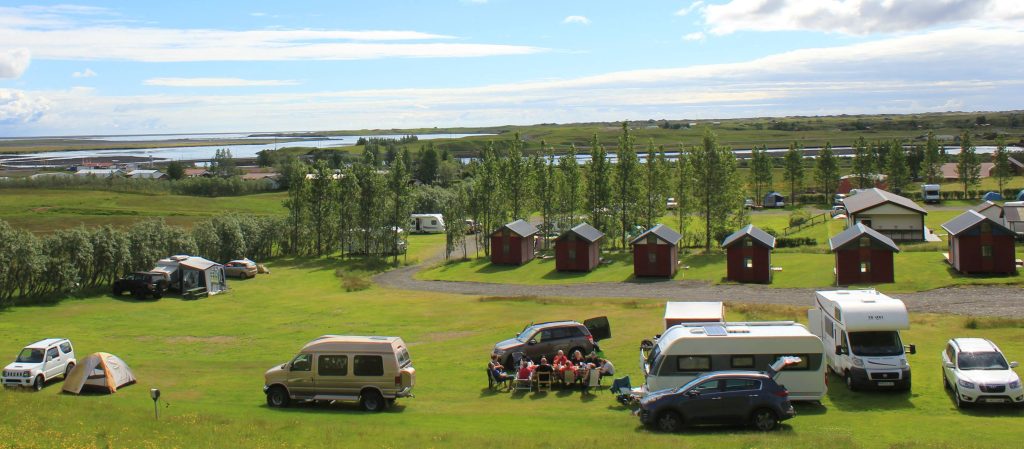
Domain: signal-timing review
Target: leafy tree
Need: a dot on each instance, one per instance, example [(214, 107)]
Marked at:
[(683, 188), (487, 194), (546, 175), (933, 160), (298, 213), (715, 186), (863, 164), (110, 254), (175, 170), (569, 185), (322, 191), (401, 206), (827, 171), (599, 184), (761, 176), (454, 210), (517, 180), (427, 164), (349, 198), (369, 217), (1001, 159), (223, 164), (627, 193), (656, 185), (794, 169), (896, 165), (968, 167)]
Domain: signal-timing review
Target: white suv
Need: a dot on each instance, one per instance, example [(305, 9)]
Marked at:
[(977, 372), (40, 362)]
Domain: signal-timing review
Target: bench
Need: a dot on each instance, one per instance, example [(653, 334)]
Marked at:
[(195, 293)]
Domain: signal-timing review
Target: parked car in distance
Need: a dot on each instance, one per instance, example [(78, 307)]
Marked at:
[(546, 339), (242, 269), (671, 204), (40, 362), (978, 373), (724, 397), (472, 227), (141, 284), (373, 371)]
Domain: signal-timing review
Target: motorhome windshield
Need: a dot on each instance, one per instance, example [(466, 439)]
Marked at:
[(30, 356), (981, 360), (876, 343), (653, 356)]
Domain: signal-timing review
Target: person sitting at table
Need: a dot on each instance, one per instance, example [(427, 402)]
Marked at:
[(606, 368), (525, 370), (544, 366), (560, 360), (577, 359), (498, 373), (592, 359), (494, 363)]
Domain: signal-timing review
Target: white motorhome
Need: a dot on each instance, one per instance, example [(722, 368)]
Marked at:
[(689, 350), (426, 223), (930, 193), (861, 329)]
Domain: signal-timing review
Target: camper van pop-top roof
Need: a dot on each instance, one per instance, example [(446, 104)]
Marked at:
[(864, 310)]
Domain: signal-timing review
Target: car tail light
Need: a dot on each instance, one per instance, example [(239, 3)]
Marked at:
[(398, 380), (782, 393), (590, 338)]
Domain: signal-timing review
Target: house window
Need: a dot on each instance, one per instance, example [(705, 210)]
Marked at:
[(652, 239), (748, 262), (986, 227), (865, 267), (864, 242), (572, 254), (748, 242), (986, 250), (652, 257)]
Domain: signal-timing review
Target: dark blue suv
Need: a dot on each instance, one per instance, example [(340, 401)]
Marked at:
[(724, 397)]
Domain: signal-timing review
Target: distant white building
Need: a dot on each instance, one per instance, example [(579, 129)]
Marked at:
[(147, 174), (99, 172)]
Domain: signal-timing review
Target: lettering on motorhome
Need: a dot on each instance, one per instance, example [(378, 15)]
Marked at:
[(876, 317)]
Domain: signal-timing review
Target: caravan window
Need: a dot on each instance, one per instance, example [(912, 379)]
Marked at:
[(804, 365), (693, 363), (742, 361)]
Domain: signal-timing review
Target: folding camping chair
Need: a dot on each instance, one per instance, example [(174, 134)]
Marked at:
[(623, 390), (593, 380), (568, 377), (543, 380), (493, 382), (522, 384)]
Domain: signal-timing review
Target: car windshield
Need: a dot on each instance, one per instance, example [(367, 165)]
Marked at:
[(981, 360), (876, 343), (30, 356), (525, 335)]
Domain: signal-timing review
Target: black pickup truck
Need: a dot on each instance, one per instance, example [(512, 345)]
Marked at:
[(141, 284)]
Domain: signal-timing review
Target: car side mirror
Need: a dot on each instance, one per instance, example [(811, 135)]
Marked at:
[(839, 350), (948, 365), (913, 349), (1014, 364), (531, 342)]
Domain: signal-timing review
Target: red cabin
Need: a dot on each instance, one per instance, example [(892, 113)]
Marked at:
[(656, 252), (513, 244), (980, 245), (749, 255), (578, 249), (863, 256)]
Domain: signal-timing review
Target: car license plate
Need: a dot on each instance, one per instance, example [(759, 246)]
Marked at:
[(996, 400), (886, 384)]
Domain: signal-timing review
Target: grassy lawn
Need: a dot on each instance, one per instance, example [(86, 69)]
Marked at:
[(43, 210), (208, 357)]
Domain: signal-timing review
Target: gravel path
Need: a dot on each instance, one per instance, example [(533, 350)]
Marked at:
[(1000, 301)]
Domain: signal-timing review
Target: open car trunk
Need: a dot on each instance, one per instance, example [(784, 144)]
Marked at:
[(599, 328)]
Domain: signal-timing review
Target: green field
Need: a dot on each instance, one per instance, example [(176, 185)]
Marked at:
[(45, 210), (208, 356)]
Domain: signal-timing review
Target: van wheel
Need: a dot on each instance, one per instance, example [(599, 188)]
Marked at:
[(372, 401), (849, 381), (670, 421), (278, 397), (67, 370), (38, 384), (764, 420)]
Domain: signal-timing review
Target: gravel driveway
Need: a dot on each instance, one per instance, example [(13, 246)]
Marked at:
[(1001, 301)]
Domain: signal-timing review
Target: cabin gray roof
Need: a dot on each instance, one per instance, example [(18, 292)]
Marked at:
[(522, 228), (968, 220), (983, 206), (663, 232), (585, 232), (854, 232), (754, 232), (866, 199)]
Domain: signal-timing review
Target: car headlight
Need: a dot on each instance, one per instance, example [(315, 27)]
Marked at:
[(965, 384), (904, 363), (858, 362), (1015, 384)]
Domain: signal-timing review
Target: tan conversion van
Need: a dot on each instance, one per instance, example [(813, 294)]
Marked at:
[(371, 370)]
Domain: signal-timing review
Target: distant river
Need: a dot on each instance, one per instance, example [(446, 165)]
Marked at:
[(60, 158)]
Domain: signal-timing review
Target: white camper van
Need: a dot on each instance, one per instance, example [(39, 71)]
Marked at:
[(861, 329), (689, 350), (930, 193), (426, 223)]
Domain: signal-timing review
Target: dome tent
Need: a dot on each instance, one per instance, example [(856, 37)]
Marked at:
[(99, 371)]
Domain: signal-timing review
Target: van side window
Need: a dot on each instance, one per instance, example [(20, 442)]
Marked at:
[(65, 347), (743, 361), (368, 365), (693, 363), (303, 362), (332, 365), (52, 353)]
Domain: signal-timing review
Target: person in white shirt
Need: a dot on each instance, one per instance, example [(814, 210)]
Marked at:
[(606, 369)]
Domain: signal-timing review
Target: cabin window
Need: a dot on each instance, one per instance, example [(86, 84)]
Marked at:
[(748, 262), (865, 267), (368, 365), (572, 254), (742, 362), (652, 239), (986, 227), (804, 365), (748, 242), (571, 237), (986, 250), (864, 242), (332, 365), (652, 257), (693, 363)]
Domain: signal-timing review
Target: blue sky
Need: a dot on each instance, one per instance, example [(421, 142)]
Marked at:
[(162, 67)]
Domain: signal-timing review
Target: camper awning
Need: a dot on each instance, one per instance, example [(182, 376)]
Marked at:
[(198, 263)]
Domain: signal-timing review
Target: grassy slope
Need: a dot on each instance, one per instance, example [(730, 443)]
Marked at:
[(43, 210), (208, 356)]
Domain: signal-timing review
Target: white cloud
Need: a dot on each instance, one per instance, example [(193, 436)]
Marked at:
[(694, 36), (16, 107), (855, 17), (72, 34), (582, 20), (87, 73), (216, 82), (14, 62), (689, 9)]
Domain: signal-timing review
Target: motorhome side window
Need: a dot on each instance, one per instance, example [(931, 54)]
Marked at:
[(742, 361), (805, 362), (332, 365), (693, 363), (303, 362), (368, 365), (828, 326)]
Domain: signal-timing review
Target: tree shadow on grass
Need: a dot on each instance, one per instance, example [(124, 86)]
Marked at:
[(342, 408), (369, 264)]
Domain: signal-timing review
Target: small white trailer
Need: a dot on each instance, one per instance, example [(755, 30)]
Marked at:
[(689, 350), (930, 193), (426, 223), (693, 312), (861, 333)]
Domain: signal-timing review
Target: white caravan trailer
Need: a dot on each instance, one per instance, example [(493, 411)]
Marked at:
[(693, 312), (930, 193), (861, 329), (426, 223), (689, 350)]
